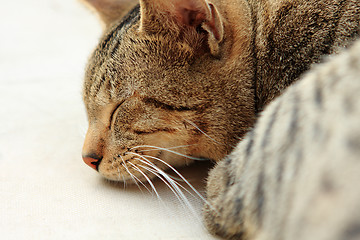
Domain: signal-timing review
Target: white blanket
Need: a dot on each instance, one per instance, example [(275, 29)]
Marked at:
[(46, 191)]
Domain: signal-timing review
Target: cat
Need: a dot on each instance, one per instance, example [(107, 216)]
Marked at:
[(295, 175), (175, 81), (172, 82)]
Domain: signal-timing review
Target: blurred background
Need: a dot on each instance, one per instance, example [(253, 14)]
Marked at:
[(46, 191)]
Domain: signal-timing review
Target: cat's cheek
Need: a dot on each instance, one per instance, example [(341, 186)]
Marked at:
[(176, 160)]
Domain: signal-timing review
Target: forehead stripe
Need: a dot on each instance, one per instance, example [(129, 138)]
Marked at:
[(129, 20), (107, 47)]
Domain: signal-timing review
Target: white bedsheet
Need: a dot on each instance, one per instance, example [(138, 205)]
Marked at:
[(46, 191)]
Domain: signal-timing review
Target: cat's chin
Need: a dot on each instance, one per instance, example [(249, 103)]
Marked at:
[(127, 179), (133, 171)]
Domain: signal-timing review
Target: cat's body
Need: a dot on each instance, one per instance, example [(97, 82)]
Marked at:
[(296, 175), (192, 75), (293, 34)]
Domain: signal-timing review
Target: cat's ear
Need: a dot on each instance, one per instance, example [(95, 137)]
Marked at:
[(110, 10), (163, 15)]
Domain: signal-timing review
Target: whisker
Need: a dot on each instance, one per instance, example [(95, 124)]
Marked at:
[(172, 168), (171, 182), (118, 170), (141, 183), (165, 149), (121, 175), (175, 178), (182, 146), (131, 175), (180, 175), (195, 126), (187, 190), (161, 178), (147, 179)]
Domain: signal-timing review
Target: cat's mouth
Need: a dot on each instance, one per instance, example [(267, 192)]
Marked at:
[(133, 166), (140, 163)]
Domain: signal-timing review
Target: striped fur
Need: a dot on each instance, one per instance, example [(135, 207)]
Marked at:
[(295, 176), (293, 34), (170, 71), (194, 74)]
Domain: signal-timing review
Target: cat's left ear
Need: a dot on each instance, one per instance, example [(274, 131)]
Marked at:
[(196, 14), (110, 10)]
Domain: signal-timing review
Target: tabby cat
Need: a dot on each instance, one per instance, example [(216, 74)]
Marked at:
[(295, 176), (173, 81), (170, 71)]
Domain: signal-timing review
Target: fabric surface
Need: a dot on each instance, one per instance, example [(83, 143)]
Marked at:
[(46, 191)]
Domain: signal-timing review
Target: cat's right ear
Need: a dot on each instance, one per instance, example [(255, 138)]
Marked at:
[(171, 15), (110, 10)]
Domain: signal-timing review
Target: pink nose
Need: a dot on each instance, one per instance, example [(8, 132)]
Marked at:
[(92, 162)]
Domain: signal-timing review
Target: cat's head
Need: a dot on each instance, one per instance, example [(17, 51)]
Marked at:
[(159, 88)]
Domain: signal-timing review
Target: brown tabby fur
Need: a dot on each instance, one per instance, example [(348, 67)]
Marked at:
[(188, 67), (295, 175)]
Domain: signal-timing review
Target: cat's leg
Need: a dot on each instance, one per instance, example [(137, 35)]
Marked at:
[(226, 210), (293, 176)]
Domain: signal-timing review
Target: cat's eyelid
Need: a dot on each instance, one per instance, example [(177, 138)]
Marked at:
[(114, 113)]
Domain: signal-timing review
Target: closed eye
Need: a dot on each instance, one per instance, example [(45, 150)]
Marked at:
[(159, 104), (114, 113), (149, 131)]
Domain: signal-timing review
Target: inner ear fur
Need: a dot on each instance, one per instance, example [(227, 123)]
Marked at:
[(176, 15), (110, 11)]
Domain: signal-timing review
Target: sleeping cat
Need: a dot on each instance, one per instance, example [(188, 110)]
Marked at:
[(191, 75), (296, 175), (180, 80)]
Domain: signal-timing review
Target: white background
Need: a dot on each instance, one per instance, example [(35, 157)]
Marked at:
[(46, 191)]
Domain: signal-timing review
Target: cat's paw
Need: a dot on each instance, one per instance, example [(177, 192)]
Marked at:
[(216, 185), (218, 210)]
